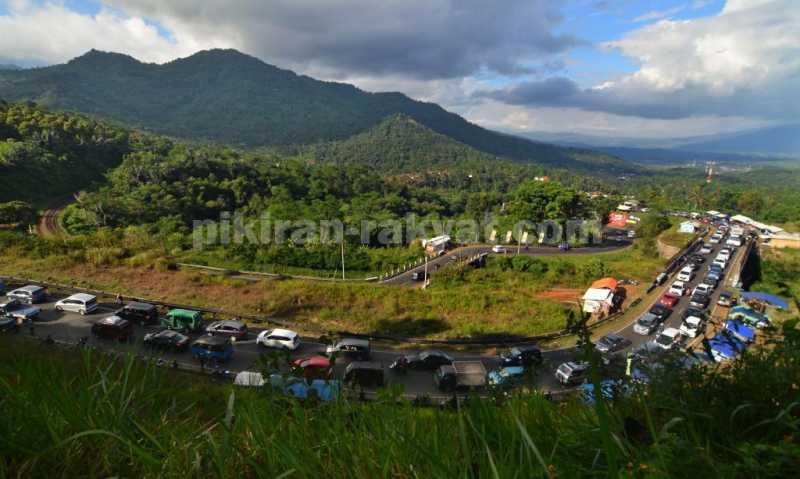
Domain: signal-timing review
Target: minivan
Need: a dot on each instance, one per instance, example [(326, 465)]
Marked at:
[(572, 372), (78, 303), (30, 294), (136, 312)]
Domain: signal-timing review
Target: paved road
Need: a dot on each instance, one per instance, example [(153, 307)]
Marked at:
[(72, 327), (463, 253)]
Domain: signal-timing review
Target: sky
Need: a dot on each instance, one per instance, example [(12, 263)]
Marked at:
[(614, 68)]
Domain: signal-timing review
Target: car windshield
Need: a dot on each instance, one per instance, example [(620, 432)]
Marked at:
[(664, 340), (565, 368), (647, 320)]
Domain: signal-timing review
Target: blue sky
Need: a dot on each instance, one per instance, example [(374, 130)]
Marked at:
[(604, 67)]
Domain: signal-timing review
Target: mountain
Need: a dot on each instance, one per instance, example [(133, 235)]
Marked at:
[(779, 140), (227, 96), (9, 67)]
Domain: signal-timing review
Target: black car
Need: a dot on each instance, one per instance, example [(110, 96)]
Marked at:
[(521, 356), (611, 343), (697, 259), (167, 339), (418, 276), (139, 313), (699, 300), (429, 360), (365, 374), (353, 348), (660, 311)]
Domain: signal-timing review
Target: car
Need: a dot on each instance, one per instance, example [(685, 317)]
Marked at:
[(734, 241), (611, 343), (113, 327), (138, 313), (646, 324), (232, 329), (507, 376), (706, 249), (685, 275), (692, 326), (30, 294), (418, 276), (660, 311), (696, 260), (715, 239), (699, 300), (279, 339), (182, 320), (213, 349), (668, 339), (712, 278), (691, 311), (15, 309), (352, 348), (703, 288), (719, 262), (8, 324), (525, 356), (678, 288), (166, 339), (80, 303), (669, 300), (499, 249), (571, 372), (428, 360), (726, 299), (364, 374), (313, 367)]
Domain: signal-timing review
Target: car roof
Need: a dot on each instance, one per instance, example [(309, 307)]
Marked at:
[(82, 297), (228, 322), (283, 332), (140, 306), (30, 288), (353, 342), (212, 340), (113, 321), (365, 365), (672, 332)]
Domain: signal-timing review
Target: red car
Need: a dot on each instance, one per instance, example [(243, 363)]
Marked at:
[(669, 300), (314, 367)]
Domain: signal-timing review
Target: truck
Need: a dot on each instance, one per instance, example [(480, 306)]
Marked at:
[(461, 376)]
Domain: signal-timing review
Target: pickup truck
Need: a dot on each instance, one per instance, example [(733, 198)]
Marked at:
[(461, 376), (17, 310)]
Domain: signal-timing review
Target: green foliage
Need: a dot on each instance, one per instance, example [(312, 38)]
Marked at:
[(536, 201), (17, 212)]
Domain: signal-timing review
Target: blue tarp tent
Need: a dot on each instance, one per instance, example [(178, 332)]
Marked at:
[(725, 346), (740, 331), (767, 298)]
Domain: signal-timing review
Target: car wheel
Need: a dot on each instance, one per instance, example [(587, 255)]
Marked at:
[(59, 309)]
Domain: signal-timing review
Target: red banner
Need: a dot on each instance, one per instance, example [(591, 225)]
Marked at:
[(615, 218)]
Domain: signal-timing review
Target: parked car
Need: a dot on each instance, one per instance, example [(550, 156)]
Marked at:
[(313, 367), (81, 303), (660, 311), (428, 360), (706, 249), (113, 327), (571, 372), (507, 376), (668, 339), (364, 374), (678, 288), (30, 294), (726, 299), (418, 276), (715, 239), (166, 339), (138, 313), (8, 324), (15, 309), (183, 320), (734, 241), (696, 260), (279, 338), (499, 249), (461, 376), (232, 329), (646, 324), (703, 288), (611, 343), (669, 300), (721, 263), (692, 326), (213, 349), (525, 356), (352, 348), (699, 300), (723, 255), (686, 274)]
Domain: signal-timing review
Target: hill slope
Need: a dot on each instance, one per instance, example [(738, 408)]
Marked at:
[(780, 140), (224, 95)]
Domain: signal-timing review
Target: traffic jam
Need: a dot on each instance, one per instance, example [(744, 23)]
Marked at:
[(187, 339)]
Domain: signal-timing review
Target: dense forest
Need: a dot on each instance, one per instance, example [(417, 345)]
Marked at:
[(229, 97)]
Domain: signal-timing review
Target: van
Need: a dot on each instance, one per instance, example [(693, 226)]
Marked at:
[(81, 303), (136, 312), (572, 372), (364, 374), (182, 320), (30, 294)]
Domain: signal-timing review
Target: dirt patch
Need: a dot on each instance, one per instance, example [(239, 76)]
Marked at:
[(564, 295)]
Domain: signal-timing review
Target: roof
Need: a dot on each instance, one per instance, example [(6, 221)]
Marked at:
[(314, 361), (767, 298), (607, 282), (249, 378), (283, 332), (740, 329), (112, 321), (30, 287), (213, 340), (596, 294), (436, 240), (82, 297), (726, 345), (183, 312), (140, 306)]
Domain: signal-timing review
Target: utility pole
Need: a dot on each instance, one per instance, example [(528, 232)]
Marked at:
[(426, 270), (343, 258)]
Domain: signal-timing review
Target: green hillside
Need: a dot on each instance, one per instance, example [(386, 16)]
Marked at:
[(226, 96)]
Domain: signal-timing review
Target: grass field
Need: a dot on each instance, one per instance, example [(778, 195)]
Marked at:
[(499, 299)]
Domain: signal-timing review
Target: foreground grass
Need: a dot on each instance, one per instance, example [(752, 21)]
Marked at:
[(497, 300), (80, 414)]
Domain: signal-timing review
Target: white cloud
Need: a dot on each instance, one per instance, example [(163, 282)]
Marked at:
[(659, 14)]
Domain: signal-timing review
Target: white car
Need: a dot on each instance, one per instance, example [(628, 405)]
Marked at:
[(715, 239), (722, 264), (703, 288), (499, 249), (668, 339), (279, 339), (678, 288), (692, 326), (723, 256), (706, 249), (686, 274), (734, 241), (78, 303)]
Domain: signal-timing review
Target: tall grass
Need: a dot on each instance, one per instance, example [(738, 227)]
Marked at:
[(73, 414)]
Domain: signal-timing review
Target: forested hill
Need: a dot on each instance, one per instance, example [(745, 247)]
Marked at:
[(227, 96)]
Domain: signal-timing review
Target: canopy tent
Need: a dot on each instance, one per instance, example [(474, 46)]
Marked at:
[(597, 299), (767, 298), (608, 283)]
